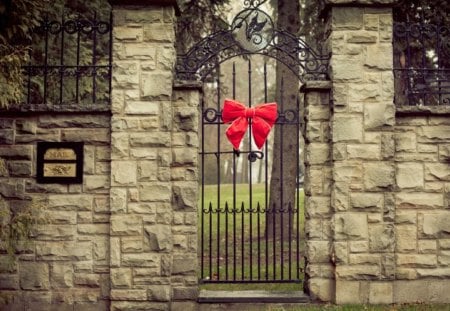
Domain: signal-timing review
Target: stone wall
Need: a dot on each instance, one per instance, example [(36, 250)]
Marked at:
[(67, 261), (389, 192), (363, 170), (154, 177), (376, 184), (319, 274), (422, 218)]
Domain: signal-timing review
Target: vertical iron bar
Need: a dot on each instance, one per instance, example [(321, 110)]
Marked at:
[(218, 136), (234, 243), (408, 66), (202, 205), (282, 172), (266, 183), (291, 222), (210, 240), (424, 64), (234, 185), (438, 30), (202, 228), (218, 243), (298, 241), (77, 72), (266, 168), (258, 211), (94, 61), (218, 172), (281, 145), (281, 242), (250, 168), (298, 191), (250, 250), (242, 242), (61, 62), (226, 240), (234, 80), (290, 239), (266, 237), (274, 211)]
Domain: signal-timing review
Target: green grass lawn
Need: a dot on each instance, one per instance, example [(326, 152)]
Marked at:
[(237, 239)]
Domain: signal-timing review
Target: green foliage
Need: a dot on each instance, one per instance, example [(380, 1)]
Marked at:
[(433, 12), (67, 54), (422, 53), (199, 18), (312, 26), (429, 11), (17, 18)]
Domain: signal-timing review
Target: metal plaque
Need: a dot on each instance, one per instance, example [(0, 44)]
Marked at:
[(59, 162)]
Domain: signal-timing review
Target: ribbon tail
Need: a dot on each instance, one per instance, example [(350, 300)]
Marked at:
[(236, 131), (260, 131)]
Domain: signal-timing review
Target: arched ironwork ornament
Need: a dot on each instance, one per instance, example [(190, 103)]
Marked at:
[(252, 31)]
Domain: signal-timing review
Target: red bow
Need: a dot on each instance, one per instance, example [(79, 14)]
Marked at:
[(263, 118)]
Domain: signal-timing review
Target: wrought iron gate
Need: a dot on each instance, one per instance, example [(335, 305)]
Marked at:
[(234, 246), (243, 236)]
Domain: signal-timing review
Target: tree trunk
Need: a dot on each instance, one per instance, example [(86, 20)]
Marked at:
[(283, 181)]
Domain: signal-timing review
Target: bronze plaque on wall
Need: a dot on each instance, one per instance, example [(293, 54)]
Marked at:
[(59, 162)]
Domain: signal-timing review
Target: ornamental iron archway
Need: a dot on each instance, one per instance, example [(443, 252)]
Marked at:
[(234, 244), (252, 32)]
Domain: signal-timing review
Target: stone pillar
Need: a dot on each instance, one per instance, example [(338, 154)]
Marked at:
[(184, 178), (153, 173), (319, 269), (363, 150)]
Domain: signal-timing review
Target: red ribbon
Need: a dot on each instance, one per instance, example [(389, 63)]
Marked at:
[(263, 118)]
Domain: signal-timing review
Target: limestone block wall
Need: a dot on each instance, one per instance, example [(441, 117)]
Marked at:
[(363, 170), (67, 260), (153, 166), (319, 278), (390, 173), (377, 184), (422, 158)]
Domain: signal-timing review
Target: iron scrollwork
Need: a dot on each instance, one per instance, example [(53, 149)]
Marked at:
[(255, 155), (72, 26), (252, 32), (211, 115), (252, 29), (289, 116)]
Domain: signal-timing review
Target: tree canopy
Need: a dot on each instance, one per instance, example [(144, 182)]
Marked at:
[(18, 18), (199, 18), (430, 11), (421, 52)]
